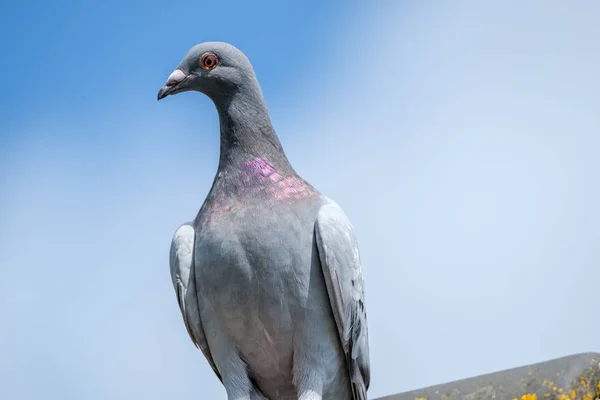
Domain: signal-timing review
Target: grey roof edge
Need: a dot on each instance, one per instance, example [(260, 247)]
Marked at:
[(575, 376)]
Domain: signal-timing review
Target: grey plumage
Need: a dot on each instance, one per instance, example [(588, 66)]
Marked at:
[(268, 275)]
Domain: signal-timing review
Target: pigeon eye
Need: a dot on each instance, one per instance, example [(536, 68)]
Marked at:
[(208, 61)]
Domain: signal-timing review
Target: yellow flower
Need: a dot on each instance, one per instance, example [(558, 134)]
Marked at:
[(560, 390), (572, 394), (547, 395)]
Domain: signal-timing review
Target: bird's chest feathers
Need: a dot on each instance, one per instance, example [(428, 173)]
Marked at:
[(256, 232), (256, 248), (256, 252)]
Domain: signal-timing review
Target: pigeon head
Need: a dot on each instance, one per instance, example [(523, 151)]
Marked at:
[(217, 69), (225, 75)]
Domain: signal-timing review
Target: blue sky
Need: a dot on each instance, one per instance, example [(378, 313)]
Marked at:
[(460, 139)]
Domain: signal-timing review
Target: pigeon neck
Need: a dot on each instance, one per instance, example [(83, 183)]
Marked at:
[(247, 132)]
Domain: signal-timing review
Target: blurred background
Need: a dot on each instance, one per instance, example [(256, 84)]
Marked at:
[(461, 138)]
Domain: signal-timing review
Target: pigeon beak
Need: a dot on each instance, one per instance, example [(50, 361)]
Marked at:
[(173, 82)]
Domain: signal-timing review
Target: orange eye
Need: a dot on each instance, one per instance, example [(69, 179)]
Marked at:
[(208, 61)]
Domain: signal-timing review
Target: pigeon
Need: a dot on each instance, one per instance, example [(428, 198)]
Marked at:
[(268, 275)]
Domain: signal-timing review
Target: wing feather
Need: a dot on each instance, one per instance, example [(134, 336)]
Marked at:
[(340, 261), (184, 282)]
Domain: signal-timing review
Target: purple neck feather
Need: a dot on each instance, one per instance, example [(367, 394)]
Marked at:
[(260, 172), (253, 168), (246, 130)]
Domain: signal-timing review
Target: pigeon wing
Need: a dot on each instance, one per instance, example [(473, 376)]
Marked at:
[(340, 261), (184, 282)]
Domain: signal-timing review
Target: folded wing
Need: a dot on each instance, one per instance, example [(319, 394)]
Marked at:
[(340, 261), (184, 282)]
